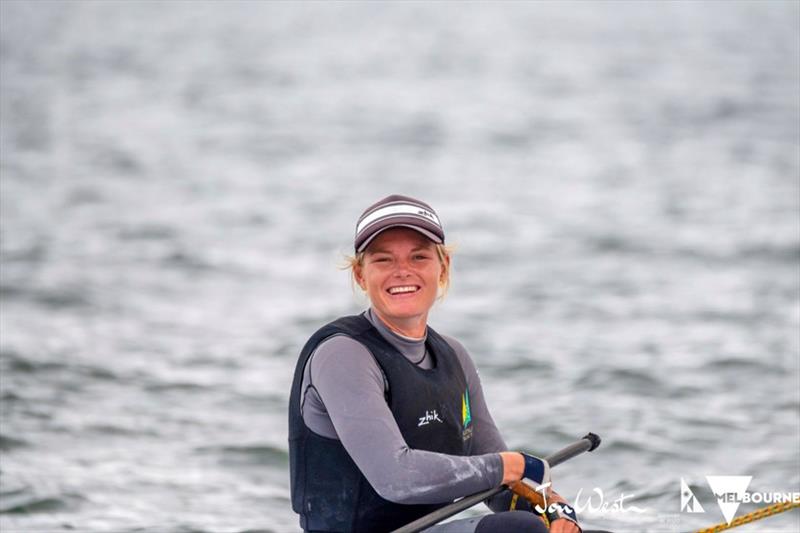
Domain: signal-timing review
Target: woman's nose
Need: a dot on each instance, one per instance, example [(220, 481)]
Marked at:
[(402, 267)]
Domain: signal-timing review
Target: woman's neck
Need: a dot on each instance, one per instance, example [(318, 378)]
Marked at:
[(412, 328)]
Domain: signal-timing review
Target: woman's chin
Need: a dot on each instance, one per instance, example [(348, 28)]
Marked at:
[(404, 313), (407, 309)]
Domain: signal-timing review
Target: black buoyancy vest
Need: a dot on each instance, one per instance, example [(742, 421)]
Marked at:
[(328, 490)]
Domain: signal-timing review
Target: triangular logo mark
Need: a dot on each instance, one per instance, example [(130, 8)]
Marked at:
[(689, 503), (729, 491)]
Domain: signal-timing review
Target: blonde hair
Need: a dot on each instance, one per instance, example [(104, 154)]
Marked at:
[(443, 252)]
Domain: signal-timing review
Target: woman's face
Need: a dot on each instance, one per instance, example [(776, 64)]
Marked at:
[(401, 275)]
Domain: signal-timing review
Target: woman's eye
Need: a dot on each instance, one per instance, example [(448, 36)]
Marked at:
[(420, 257)]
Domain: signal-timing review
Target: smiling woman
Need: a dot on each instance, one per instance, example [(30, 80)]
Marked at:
[(387, 418), (402, 273), (443, 253)]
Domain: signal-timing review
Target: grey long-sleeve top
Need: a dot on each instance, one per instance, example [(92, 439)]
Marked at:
[(343, 398)]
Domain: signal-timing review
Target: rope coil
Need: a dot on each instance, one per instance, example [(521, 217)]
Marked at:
[(758, 514)]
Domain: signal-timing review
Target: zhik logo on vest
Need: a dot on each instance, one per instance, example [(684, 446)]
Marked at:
[(731, 491), (428, 417)]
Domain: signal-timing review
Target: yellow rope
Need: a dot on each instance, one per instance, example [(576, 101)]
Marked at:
[(758, 514)]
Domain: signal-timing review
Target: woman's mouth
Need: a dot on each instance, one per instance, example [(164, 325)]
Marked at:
[(403, 289)]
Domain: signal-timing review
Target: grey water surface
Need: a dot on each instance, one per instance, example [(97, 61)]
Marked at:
[(180, 181)]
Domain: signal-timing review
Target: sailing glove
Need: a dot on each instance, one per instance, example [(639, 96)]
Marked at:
[(537, 471), (535, 474), (560, 510)]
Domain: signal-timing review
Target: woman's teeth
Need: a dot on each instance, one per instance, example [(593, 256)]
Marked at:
[(398, 290)]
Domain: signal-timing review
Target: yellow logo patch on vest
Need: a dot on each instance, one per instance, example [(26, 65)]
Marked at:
[(466, 416)]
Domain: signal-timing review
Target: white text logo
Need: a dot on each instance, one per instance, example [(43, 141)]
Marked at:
[(430, 416), (730, 491), (595, 506)]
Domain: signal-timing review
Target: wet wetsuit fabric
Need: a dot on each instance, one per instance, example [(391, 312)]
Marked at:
[(329, 490), (344, 394), (343, 387)]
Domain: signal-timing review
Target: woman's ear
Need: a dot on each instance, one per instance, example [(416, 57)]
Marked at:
[(358, 275), (443, 275)]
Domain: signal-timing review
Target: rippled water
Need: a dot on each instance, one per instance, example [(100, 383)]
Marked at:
[(179, 181)]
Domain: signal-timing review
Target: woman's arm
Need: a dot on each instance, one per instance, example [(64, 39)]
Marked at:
[(349, 382), (487, 436)]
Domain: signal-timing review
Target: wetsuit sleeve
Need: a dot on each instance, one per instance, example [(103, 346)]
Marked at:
[(487, 436), (350, 384)]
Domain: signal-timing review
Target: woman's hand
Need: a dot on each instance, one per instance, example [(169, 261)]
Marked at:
[(528, 468), (516, 467), (564, 525), (561, 525), (513, 466), (527, 476)]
